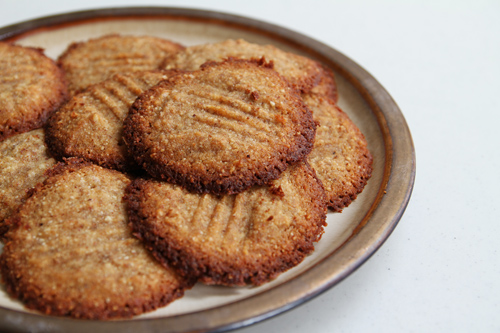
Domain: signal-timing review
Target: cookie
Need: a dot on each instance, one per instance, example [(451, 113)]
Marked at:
[(24, 158), (303, 73), (96, 60), (220, 129), (326, 87), (234, 240), (89, 126), (31, 87), (71, 253), (340, 155)]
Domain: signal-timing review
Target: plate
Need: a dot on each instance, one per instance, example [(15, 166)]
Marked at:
[(350, 238)]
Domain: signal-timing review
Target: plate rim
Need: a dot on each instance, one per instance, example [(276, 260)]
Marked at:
[(385, 213)]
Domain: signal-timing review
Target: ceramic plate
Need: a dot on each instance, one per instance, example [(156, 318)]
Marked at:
[(350, 238)]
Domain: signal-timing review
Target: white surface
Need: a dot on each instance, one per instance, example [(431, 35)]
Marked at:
[(440, 60)]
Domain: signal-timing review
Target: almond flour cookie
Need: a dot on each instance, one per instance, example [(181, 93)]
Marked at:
[(96, 60), (326, 87), (234, 240), (24, 158), (220, 129), (31, 87), (89, 126), (70, 251), (303, 73), (340, 155)]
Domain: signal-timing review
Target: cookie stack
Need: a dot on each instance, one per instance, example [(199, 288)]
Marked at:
[(213, 163)]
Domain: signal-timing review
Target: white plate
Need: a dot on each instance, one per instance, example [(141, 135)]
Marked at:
[(350, 238)]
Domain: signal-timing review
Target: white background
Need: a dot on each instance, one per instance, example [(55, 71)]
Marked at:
[(440, 60)]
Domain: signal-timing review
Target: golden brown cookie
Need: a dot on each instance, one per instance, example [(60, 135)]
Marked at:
[(326, 87), (96, 60), (303, 73), (248, 238), (24, 158), (31, 87), (89, 126), (220, 129), (71, 253), (340, 155)]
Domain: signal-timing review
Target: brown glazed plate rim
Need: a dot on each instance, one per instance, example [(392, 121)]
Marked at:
[(387, 207)]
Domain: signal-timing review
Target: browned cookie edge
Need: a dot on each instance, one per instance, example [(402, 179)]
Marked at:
[(338, 200)]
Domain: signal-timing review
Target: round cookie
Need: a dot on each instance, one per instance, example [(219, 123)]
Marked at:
[(303, 73), (234, 240), (340, 155), (90, 125), (31, 87), (24, 158), (71, 253), (96, 60), (220, 129)]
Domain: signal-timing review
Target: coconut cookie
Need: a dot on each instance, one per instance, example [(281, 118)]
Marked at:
[(340, 155), (96, 60), (220, 129), (31, 87), (71, 253), (248, 238), (302, 73), (24, 158), (90, 125)]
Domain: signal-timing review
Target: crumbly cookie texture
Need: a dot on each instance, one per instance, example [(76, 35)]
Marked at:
[(90, 125), (24, 158), (248, 238), (340, 154), (220, 129), (70, 252), (31, 88), (326, 87), (302, 73), (95, 60)]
